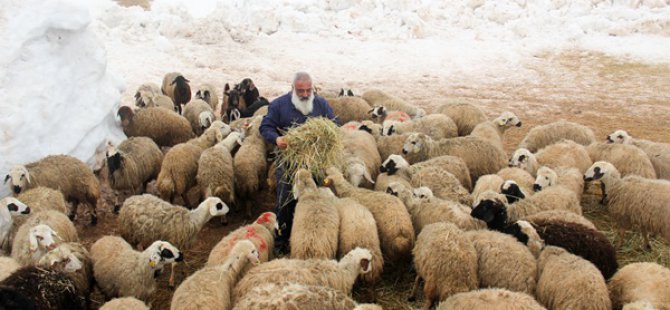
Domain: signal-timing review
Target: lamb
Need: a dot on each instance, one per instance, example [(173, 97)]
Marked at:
[(42, 231), (65, 173), (35, 287), (493, 298), (132, 165), (210, 287), (362, 159), (175, 86), (452, 164), (74, 259), (376, 97), (628, 159), (567, 281), (166, 128), (199, 114), (349, 108), (273, 296), (569, 178), (641, 281), (8, 207), (633, 201), (541, 136), (250, 165), (328, 273), (112, 256), (207, 93), (494, 130), (437, 126), (180, 164), (125, 303), (145, 92), (465, 115), (316, 221), (480, 156), (446, 260), (565, 153), (394, 224), (7, 266), (659, 153)]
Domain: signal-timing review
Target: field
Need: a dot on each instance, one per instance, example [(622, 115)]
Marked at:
[(595, 90)]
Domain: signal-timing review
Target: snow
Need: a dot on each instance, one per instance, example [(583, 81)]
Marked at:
[(66, 65)]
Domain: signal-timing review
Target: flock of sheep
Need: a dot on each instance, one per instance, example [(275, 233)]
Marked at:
[(433, 191)]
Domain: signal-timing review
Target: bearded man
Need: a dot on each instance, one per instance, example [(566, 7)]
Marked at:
[(291, 109)]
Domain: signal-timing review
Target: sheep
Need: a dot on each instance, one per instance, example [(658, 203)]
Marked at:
[(503, 262), (349, 108), (480, 156), (210, 287), (493, 298), (628, 159), (262, 233), (339, 275), (541, 136), (567, 281), (489, 182), (659, 153), (74, 259), (42, 231), (7, 266), (358, 228), (437, 126), (362, 159), (166, 128), (376, 97), (199, 114), (447, 262), (465, 115), (125, 303), (570, 178), (9, 206), (561, 215), (379, 114), (643, 281), (271, 296), (120, 271), (144, 94), (35, 287), (250, 165), (633, 201), (42, 198), (65, 173), (394, 224), (207, 93), (524, 179), (494, 130), (248, 91), (452, 164), (316, 221), (132, 165), (175, 86), (180, 165), (565, 153)]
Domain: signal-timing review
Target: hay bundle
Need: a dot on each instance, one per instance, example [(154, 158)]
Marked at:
[(314, 145)]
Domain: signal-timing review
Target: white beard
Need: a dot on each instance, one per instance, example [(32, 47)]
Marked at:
[(305, 107)]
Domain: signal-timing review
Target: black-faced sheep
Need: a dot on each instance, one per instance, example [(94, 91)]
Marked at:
[(659, 153), (349, 108), (541, 136), (642, 281), (175, 86), (9, 206), (628, 159), (166, 128), (465, 115), (493, 298), (452, 164), (437, 126), (494, 130), (376, 97), (65, 173), (199, 114), (248, 90)]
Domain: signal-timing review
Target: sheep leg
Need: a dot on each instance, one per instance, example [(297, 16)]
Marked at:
[(647, 245), (415, 289), (619, 242), (94, 214), (171, 280), (73, 211)]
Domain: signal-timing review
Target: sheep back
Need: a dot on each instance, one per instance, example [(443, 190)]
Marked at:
[(659, 154), (442, 183), (349, 108), (215, 175), (375, 97), (316, 224), (178, 170), (437, 126), (493, 298), (7, 266), (453, 164), (125, 303), (560, 215), (250, 164), (628, 159), (551, 198), (439, 210), (640, 281), (258, 234), (465, 115), (38, 199), (524, 179), (163, 126), (142, 161), (271, 296), (541, 136), (359, 229), (565, 153)]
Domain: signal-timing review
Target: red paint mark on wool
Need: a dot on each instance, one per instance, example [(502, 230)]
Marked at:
[(251, 234), (264, 218)]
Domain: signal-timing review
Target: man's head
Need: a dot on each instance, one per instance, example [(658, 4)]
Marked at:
[(303, 93)]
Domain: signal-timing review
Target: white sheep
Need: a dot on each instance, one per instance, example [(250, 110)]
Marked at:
[(489, 182), (494, 130), (316, 221), (7, 266), (643, 281), (541, 136), (172, 128), (339, 275), (199, 114), (437, 126), (465, 115), (633, 201), (349, 108), (376, 97), (121, 271), (65, 173), (570, 178), (42, 231), (560, 215), (659, 153), (447, 262), (210, 287), (250, 165), (271, 296), (565, 153), (207, 92), (493, 298), (42, 198), (551, 198), (628, 159), (175, 85), (452, 164), (393, 221), (362, 159), (567, 281), (125, 303), (9, 206)]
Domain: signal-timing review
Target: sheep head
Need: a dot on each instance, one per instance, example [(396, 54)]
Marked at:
[(162, 252), (399, 190), (599, 170), (302, 183), (114, 160), (61, 258), (19, 178), (361, 257), (269, 221), (203, 94), (414, 143), (126, 114), (491, 209), (246, 249), (507, 119), (521, 159), (14, 205), (393, 163), (378, 112), (620, 137), (215, 206), (512, 191), (205, 119), (356, 171), (545, 177), (422, 193), (42, 237), (345, 93), (389, 127)]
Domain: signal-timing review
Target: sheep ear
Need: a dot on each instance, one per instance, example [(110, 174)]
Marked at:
[(502, 122), (28, 178), (7, 178)]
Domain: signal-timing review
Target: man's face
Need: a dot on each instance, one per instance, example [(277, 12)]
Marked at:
[(303, 89)]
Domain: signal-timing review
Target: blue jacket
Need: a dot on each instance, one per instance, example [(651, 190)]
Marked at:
[(282, 115)]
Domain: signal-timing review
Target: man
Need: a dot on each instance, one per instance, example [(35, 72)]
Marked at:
[(291, 109)]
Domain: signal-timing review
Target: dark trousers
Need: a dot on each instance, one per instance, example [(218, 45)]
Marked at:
[(284, 208)]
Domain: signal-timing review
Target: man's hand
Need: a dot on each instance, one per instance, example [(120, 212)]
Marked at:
[(281, 143)]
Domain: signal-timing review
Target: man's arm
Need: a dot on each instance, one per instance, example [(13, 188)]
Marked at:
[(270, 123)]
